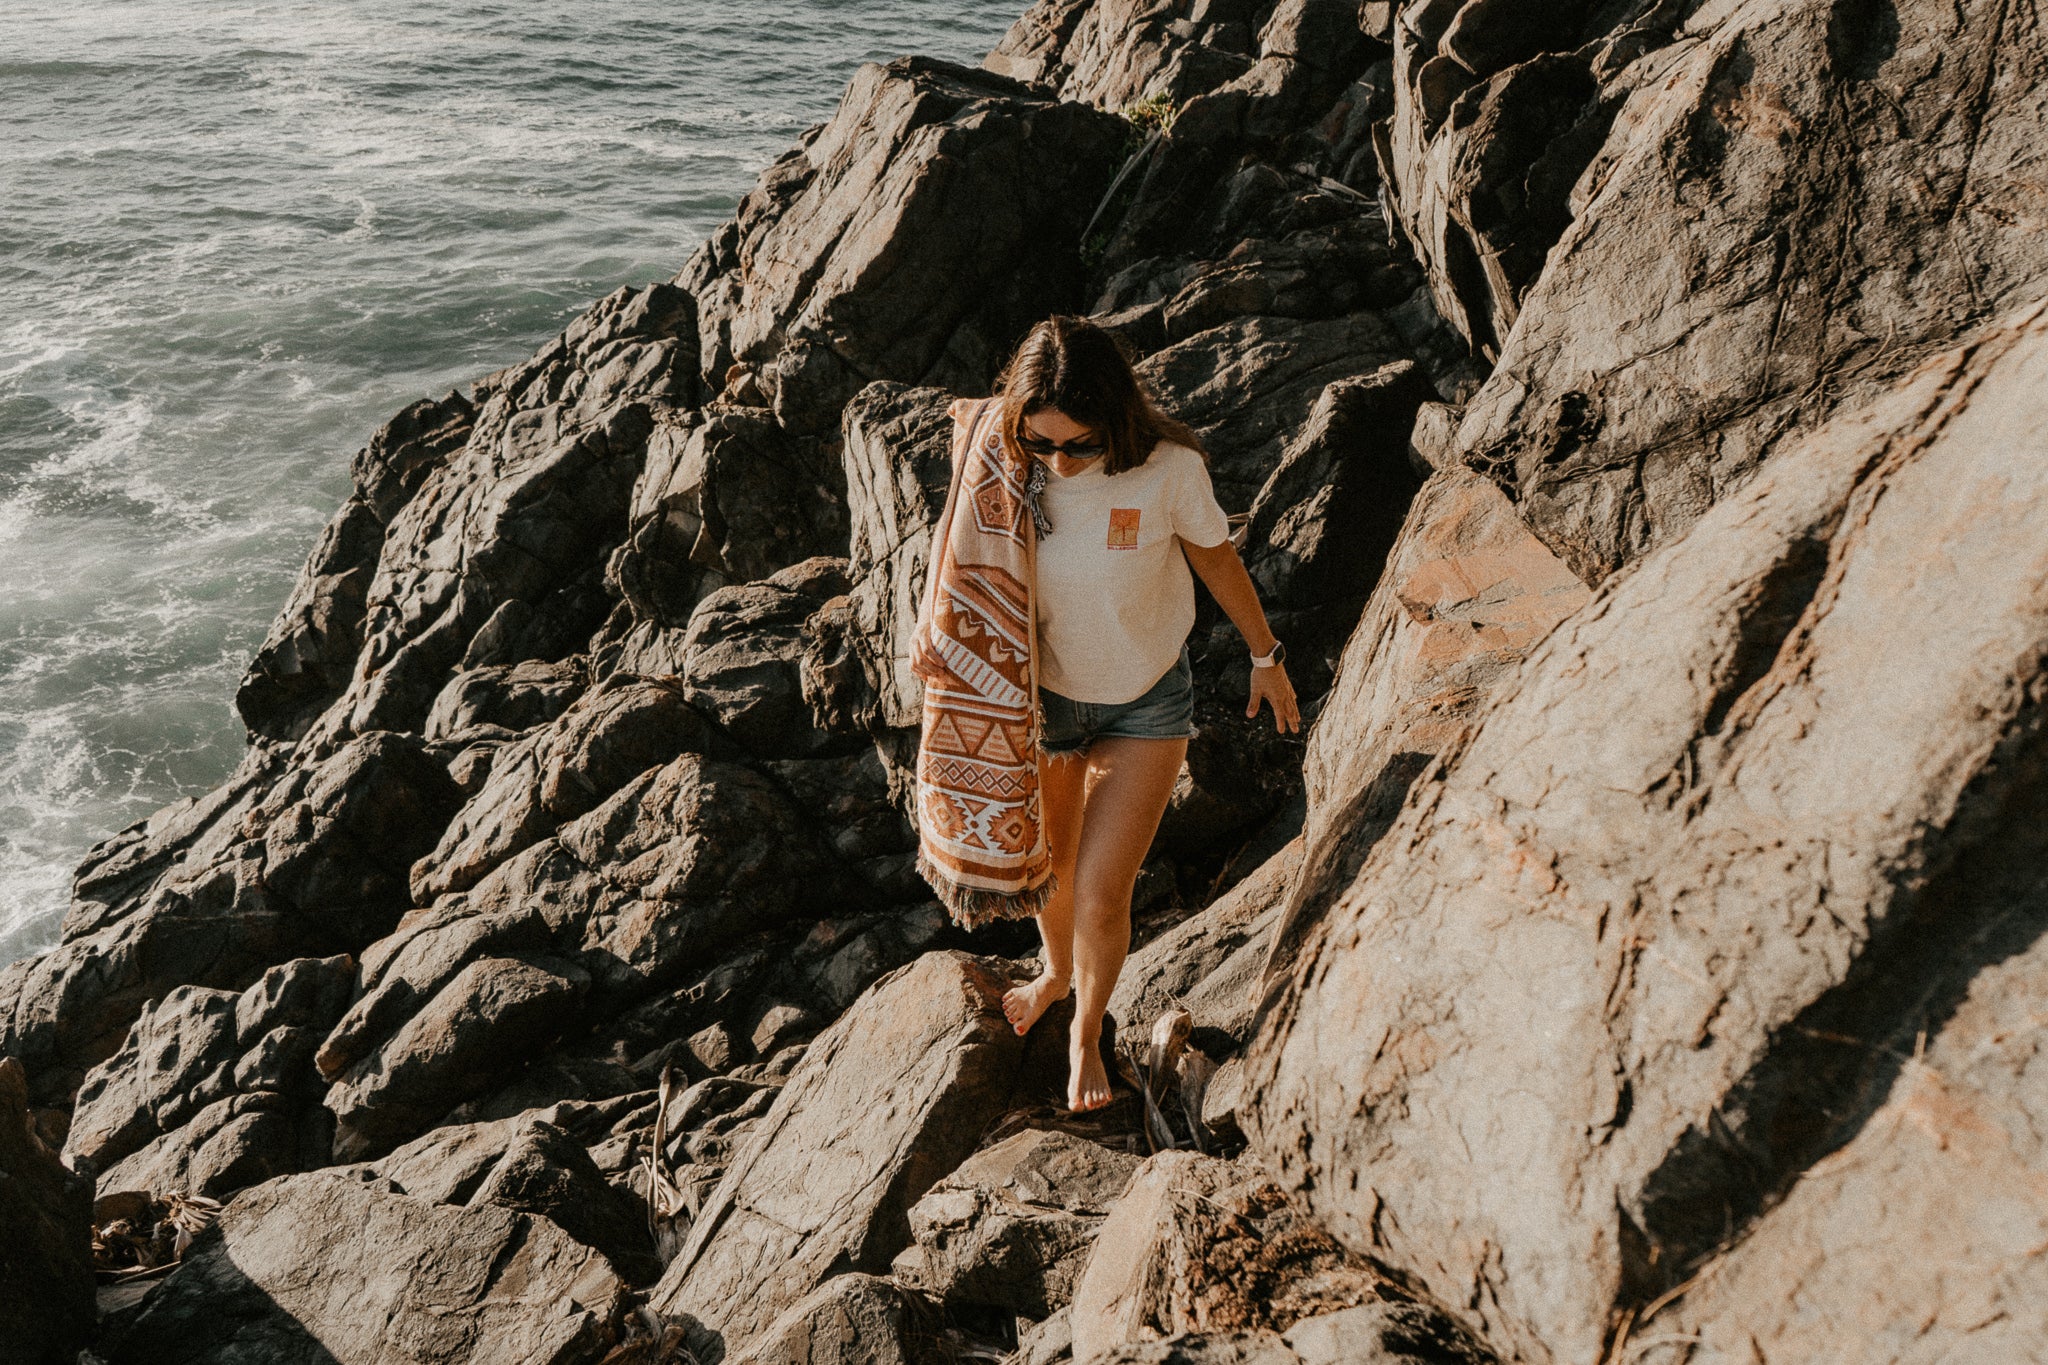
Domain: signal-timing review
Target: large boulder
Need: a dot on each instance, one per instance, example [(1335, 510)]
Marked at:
[(1465, 594), (46, 1279), (885, 1102), (310, 652), (493, 557), (814, 289), (1652, 942), (1691, 235), (320, 1269)]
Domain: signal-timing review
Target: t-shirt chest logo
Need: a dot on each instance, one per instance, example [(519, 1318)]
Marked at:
[(1123, 528)]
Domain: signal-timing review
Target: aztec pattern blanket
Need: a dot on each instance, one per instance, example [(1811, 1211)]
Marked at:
[(981, 842)]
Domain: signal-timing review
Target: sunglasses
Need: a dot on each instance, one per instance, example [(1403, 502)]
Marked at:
[(1036, 446)]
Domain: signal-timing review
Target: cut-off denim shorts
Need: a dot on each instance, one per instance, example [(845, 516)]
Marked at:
[(1165, 711)]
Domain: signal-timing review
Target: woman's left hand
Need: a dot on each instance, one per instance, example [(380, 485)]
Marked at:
[(1271, 686)]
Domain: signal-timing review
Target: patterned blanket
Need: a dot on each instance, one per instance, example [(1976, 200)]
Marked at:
[(981, 843)]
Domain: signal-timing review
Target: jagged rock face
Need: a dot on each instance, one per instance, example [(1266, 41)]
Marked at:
[(407, 1280), (1654, 941), (214, 1090), (46, 1279), (826, 1182), (810, 292), (1692, 232)]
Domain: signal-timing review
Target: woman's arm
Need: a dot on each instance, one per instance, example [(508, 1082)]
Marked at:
[(1223, 574)]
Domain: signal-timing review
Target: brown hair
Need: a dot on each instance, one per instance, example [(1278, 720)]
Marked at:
[(1069, 363)]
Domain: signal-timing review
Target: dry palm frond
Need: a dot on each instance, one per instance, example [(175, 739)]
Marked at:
[(148, 1235)]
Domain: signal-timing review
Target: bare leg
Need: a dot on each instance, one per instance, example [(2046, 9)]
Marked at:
[(1060, 782), (1133, 779)]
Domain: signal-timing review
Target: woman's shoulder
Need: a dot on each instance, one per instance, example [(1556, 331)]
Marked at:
[(1172, 457)]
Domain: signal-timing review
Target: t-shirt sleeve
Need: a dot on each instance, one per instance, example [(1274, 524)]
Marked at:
[(1198, 518)]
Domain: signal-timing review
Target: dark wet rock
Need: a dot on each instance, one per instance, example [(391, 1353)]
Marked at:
[(340, 846), (482, 1024), (1012, 1226), (743, 656), (46, 1274), (896, 453), (991, 179), (851, 1319), (1248, 385), (1466, 593), (310, 652), (885, 1102), (727, 497), (1666, 920), (612, 734), (512, 696), (408, 1280)]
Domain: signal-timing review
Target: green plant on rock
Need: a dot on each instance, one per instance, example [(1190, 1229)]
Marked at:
[(1154, 113)]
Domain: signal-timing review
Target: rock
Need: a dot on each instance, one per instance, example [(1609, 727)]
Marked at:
[(1213, 956), (1592, 214), (239, 1140), (1326, 518), (885, 1102), (545, 1171), (612, 734), (1195, 1246), (1466, 593), (409, 1281), (46, 1276), (1643, 975), (1203, 1348), (990, 178), (479, 1026), (895, 451), (339, 848), (310, 652), (742, 656), (1248, 385), (179, 1057), (1012, 1226), (849, 1320), (515, 696), (726, 497), (524, 511)]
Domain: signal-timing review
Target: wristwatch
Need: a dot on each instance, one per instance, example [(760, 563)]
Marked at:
[(1278, 655)]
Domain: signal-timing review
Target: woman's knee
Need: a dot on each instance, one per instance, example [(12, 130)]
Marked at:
[(1103, 906)]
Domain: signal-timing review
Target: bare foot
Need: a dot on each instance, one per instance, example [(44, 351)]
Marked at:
[(1087, 1081), (1023, 1004)]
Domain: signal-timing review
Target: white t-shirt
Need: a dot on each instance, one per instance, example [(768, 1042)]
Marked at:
[(1115, 598)]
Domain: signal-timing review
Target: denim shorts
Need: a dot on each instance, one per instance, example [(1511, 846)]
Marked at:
[(1165, 711)]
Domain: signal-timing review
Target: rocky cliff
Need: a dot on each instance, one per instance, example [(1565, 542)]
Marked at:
[(1634, 412)]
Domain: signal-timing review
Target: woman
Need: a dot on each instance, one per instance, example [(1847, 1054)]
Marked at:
[(1053, 646)]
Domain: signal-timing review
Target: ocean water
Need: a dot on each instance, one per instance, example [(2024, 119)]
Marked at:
[(234, 237)]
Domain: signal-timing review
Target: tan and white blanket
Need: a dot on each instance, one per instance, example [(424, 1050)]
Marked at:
[(981, 841)]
